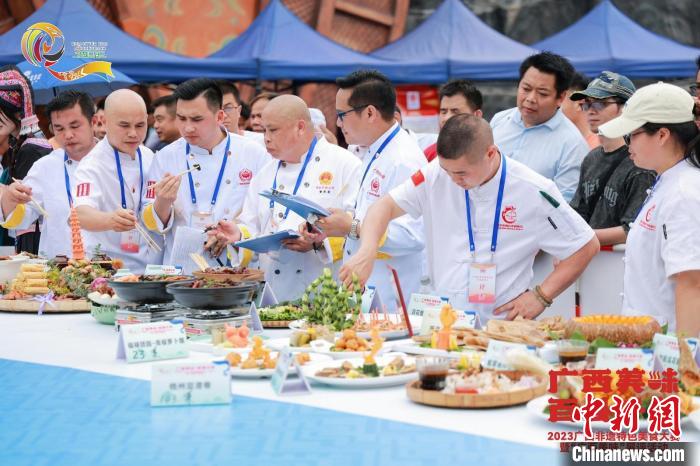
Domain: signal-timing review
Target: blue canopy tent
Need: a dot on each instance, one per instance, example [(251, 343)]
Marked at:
[(456, 42), (79, 22), (46, 86), (606, 39), (284, 47)]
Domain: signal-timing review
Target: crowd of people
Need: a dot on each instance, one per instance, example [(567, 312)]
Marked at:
[(463, 213)]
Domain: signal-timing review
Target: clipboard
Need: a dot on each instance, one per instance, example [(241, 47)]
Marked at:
[(305, 208), (267, 243)]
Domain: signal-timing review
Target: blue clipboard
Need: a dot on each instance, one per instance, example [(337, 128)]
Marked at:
[(305, 208), (267, 243)]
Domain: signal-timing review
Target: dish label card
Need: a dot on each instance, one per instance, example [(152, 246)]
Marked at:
[(420, 302), (495, 357), (153, 341), (624, 358), (667, 352), (155, 269), (280, 381), (190, 383)]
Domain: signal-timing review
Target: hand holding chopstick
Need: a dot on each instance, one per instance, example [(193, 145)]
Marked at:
[(34, 203)]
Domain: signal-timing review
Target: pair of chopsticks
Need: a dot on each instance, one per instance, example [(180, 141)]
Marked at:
[(199, 261), (195, 168), (149, 241), (34, 203)]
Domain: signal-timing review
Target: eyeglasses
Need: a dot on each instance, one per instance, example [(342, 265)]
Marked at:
[(230, 108), (598, 105), (628, 137), (341, 115), (693, 88)]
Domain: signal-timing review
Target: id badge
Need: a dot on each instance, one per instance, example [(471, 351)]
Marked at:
[(201, 220), (482, 283), (129, 242)]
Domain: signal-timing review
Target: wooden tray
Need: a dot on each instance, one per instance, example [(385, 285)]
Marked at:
[(29, 306), (253, 275), (276, 323), (469, 400)]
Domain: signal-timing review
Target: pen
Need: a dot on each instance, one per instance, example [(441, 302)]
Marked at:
[(550, 199), (554, 225)]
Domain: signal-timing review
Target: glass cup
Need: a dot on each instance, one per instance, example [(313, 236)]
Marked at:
[(432, 372), (572, 350)]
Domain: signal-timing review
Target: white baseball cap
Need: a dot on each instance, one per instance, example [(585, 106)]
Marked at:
[(655, 103)]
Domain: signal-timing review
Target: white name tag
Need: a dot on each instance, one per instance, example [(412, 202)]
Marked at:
[(190, 383), (495, 357), (482, 283), (152, 341), (624, 358)]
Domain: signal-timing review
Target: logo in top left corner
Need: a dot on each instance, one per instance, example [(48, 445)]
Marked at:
[(43, 45)]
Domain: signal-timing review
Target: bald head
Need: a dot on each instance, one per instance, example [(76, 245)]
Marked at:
[(288, 107), (288, 128), (124, 99), (464, 135), (125, 120)]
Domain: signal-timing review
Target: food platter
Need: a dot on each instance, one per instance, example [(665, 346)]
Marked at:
[(55, 307), (238, 372), (475, 400), (311, 373)]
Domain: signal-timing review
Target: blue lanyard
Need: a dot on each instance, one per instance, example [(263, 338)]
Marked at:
[(299, 178), (121, 178), (379, 151), (218, 180), (65, 172), (496, 216)]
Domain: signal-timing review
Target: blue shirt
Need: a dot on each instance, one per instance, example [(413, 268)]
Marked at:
[(554, 149)]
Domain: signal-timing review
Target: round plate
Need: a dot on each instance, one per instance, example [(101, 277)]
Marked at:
[(537, 405), (239, 373), (316, 346), (370, 382)]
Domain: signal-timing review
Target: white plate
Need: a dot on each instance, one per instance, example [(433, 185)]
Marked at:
[(370, 382), (411, 347), (320, 347), (98, 298), (391, 334), (237, 372), (536, 407)]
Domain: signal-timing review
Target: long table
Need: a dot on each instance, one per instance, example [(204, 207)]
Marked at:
[(67, 400)]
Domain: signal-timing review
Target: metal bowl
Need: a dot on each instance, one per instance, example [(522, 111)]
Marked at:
[(239, 295), (143, 292)]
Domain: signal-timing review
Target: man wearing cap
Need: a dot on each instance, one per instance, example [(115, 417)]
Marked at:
[(662, 256), (611, 189)]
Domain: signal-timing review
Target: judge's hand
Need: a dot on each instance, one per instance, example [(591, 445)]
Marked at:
[(220, 236), (336, 224), (18, 193), (122, 220), (526, 305), (315, 235), (167, 188), (301, 244)]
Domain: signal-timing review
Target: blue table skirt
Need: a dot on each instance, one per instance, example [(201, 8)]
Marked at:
[(52, 416)]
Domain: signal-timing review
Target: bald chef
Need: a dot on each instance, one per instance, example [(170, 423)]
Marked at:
[(486, 217), (303, 165), (228, 162), (110, 180)]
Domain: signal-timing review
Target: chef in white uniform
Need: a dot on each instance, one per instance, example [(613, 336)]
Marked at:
[(486, 217), (228, 163), (51, 179), (110, 181), (662, 256), (306, 166), (365, 106)]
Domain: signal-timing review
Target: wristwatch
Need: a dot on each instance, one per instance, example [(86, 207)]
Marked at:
[(353, 229)]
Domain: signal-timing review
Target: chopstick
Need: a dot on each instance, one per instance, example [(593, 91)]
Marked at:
[(36, 204), (149, 241), (195, 168)]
